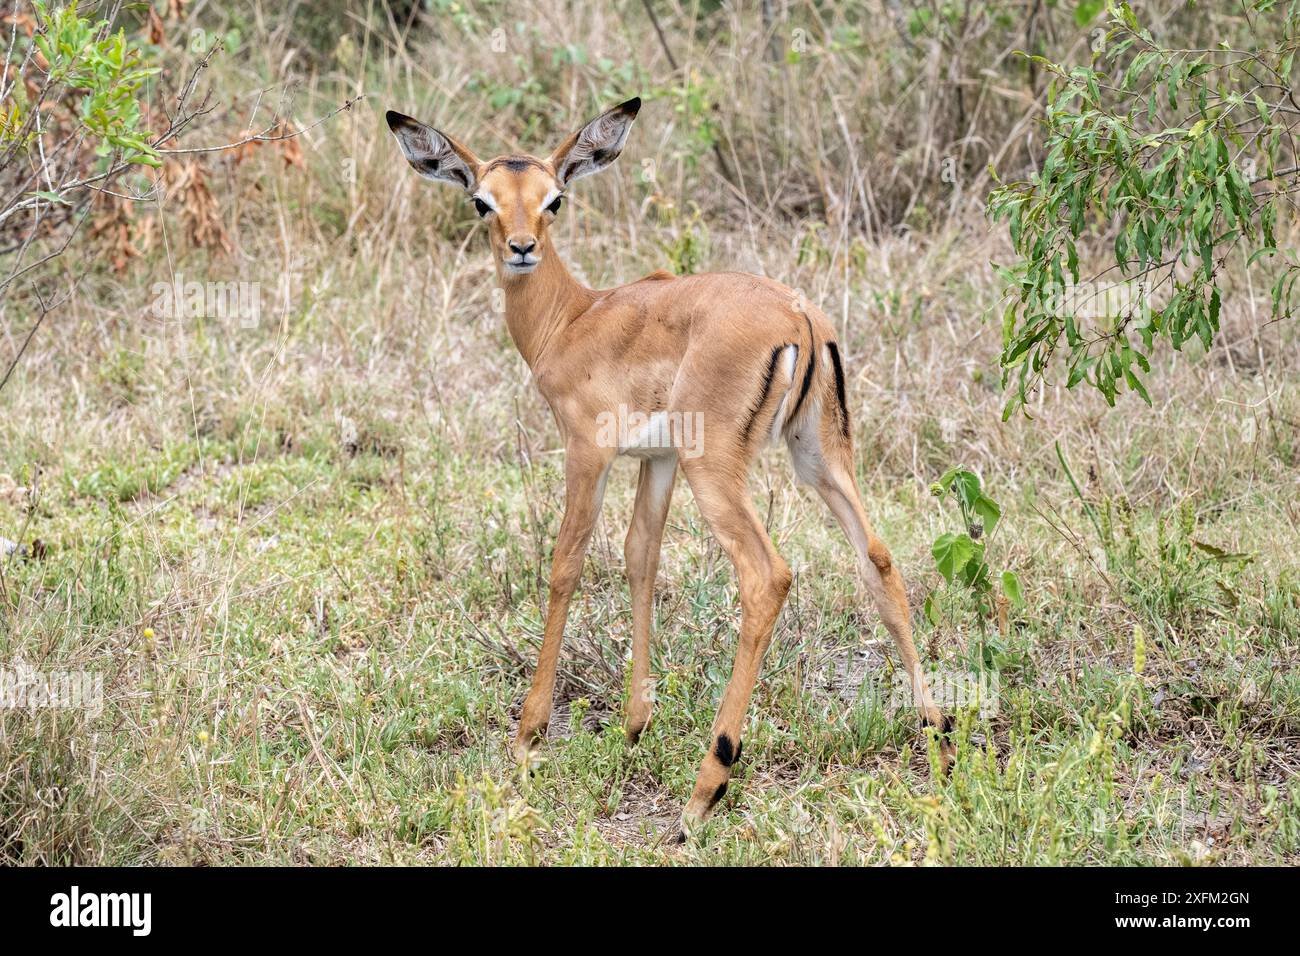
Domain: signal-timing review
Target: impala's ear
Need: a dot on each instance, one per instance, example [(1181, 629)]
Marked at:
[(596, 145), (432, 154)]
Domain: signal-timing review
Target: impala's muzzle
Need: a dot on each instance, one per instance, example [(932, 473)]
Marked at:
[(521, 259)]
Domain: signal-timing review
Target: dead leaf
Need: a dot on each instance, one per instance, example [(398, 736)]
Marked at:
[(245, 149), (186, 182), (290, 148), (157, 36)]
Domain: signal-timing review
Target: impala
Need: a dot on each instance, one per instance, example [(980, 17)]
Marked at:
[(741, 356)]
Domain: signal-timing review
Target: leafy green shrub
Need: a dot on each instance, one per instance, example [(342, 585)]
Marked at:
[(1181, 157), (960, 556), (71, 124), (105, 73)]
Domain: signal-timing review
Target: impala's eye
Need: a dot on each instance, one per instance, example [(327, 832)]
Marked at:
[(482, 207), (554, 208)]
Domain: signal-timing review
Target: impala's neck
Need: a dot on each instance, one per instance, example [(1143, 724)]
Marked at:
[(540, 304)]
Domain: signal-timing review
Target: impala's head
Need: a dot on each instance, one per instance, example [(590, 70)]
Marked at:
[(517, 196)]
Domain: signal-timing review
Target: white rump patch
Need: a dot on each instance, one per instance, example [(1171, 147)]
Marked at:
[(789, 359)]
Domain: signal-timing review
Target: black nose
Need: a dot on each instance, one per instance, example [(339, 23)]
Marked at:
[(522, 250)]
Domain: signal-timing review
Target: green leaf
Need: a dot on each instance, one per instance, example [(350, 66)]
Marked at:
[(952, 552), (1085, 11), (1262, 108), (1218, 554), (1011, 588), (975, 573), (1135, 383), (988, 510), (965, 484), (931, 612)]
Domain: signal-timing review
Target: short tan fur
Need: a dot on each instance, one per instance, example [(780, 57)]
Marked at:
[(740, 353)]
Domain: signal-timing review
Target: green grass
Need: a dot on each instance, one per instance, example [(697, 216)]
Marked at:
[(339, 642)]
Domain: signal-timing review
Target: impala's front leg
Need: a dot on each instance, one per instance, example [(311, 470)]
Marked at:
[(584, 488)]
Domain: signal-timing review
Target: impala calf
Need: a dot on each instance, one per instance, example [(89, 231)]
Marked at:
[(742, 354)]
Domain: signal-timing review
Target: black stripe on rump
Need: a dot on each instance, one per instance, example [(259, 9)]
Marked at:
[(839, 388), (762, 398)]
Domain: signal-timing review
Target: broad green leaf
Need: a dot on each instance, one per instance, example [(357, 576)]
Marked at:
[(987, 509), (952, 552)]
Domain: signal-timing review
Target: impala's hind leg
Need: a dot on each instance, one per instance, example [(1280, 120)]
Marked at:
[(654, 492), (823, 458), (764, 580)]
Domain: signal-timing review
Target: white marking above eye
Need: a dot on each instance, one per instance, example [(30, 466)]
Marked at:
[(551, 196), (485, 196)]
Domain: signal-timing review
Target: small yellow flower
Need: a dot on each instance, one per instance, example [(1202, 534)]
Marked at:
[(148, 633), (203, 736)]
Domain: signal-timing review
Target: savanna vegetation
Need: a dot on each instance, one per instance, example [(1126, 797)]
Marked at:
[(271, 467)]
